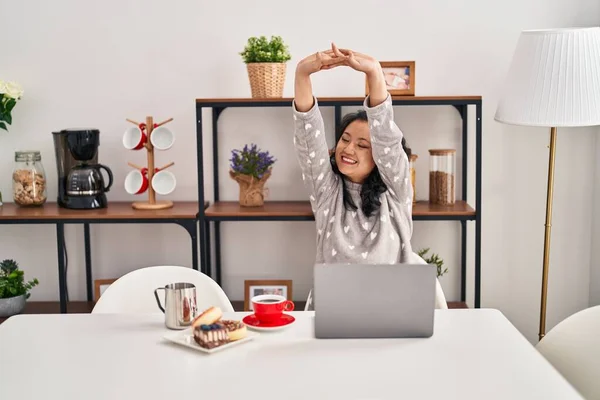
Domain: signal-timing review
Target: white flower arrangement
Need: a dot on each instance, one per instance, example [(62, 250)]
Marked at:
[(10, 93)]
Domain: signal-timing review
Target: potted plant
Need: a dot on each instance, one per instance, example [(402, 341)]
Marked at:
[(266, 64), (14, 291), (433, 259), (10, 93), (250, 168)]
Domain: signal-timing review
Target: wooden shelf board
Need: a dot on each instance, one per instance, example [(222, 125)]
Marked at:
[(115, 210), (281, 100), (459, 208), (303, 209), (269, 209), (85, 307)]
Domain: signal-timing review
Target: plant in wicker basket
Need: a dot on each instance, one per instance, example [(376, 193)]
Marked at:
[(250, 168), (266, 63)]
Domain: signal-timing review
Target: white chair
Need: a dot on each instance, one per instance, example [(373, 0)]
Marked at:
[(440, 298), (134, 292), (573, 348)]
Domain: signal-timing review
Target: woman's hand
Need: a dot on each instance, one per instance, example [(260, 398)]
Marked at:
[(319, 61), (371, 68), (322, 60), (357, 61), (336, 57)]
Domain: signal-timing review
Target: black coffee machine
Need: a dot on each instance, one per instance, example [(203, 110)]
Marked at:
[(80, 181)]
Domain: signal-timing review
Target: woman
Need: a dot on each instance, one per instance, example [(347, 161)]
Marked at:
[(361, 196)]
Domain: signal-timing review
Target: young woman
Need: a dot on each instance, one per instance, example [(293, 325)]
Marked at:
[(361, 195)]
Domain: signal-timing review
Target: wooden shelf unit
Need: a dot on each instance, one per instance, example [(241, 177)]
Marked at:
[(228, 211)]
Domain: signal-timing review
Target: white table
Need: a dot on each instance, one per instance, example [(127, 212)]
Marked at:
[(474, 354)]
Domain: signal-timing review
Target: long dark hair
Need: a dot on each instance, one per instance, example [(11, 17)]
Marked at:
[(373, 185)]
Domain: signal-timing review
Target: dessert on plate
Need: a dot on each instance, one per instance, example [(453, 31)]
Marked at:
[(211, 336), (211, 331), (236, 330)]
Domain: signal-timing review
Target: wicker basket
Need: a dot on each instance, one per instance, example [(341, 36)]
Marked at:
[(266, 79), (252, 190)]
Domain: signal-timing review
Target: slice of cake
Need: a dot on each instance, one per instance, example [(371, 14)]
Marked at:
[(211, 336), (236, 330)]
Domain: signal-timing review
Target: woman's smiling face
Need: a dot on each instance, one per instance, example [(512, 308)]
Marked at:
[(353, 154)]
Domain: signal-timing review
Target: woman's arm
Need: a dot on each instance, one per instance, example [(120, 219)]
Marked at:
[(386, 144), (386, 137), (309, 130)]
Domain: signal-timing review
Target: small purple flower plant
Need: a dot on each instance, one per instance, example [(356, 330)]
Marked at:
[(251, 161)]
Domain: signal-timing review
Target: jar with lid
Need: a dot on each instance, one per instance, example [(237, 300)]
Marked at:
[(29, 179), (413, 175), (442, 173)]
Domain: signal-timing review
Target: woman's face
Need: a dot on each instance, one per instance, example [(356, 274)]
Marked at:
[(353, 154)]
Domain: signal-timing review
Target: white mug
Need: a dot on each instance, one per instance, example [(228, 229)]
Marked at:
[(162, 138), (134, 138), (163, 182)]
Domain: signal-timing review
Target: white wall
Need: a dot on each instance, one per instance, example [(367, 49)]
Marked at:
[(95, 64)]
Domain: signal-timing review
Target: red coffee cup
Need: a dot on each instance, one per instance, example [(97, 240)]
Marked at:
[(270, 307), (134, 138), (136, 182)]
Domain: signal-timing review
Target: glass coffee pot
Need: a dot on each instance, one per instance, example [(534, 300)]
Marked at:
[(87, 180)]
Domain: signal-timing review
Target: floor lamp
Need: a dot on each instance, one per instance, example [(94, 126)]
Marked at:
[(553, 82)]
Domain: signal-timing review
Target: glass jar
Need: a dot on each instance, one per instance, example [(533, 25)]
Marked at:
[(413, 175), (29, 179), (442, 173)]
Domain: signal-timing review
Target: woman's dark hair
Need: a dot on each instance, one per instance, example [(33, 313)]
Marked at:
[(373, 185)]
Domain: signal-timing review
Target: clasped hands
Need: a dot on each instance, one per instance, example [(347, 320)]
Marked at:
[(335, 57)]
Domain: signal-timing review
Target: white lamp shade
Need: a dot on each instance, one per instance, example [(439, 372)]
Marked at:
[(554, 79)]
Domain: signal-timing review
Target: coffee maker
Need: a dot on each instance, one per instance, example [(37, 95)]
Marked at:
[(80, 181)]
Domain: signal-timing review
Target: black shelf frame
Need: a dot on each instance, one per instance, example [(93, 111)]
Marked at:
[(461, 104)]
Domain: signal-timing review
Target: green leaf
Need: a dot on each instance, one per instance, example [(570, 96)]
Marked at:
[(433, 259), (12, 282), (260, 49), (3, 126), (10, 104), (8, 118)]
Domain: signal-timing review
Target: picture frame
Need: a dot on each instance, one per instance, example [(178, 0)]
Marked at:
[(399, 77), (100, 285), (257, 287)]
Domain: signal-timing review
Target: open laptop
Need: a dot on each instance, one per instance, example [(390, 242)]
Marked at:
[(374, 301)]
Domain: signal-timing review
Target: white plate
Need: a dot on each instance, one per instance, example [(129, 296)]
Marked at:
[(186, 338)]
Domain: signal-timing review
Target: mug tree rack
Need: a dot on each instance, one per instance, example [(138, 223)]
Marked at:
[(150, 170)]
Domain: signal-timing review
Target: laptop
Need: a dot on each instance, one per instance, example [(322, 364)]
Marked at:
[(374, 301)]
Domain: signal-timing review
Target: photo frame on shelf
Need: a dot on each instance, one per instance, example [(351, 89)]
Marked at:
[(100, 285), (258, 287), (399, 78)]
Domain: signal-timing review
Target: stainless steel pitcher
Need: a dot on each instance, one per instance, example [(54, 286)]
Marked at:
[(180, 304)]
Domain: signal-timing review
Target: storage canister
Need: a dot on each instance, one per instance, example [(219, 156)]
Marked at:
[(29, 179), (442, 173)]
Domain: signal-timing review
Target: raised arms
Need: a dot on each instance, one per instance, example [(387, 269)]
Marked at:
[(309, 138), (309, 132)]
